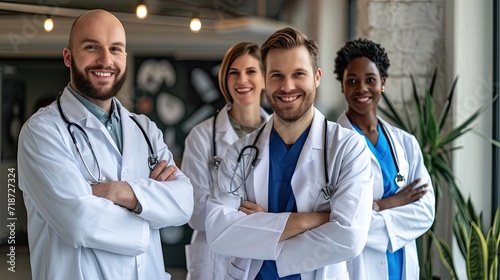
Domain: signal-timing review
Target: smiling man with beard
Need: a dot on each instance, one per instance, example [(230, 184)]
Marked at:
[(294, 197), (98, 181)]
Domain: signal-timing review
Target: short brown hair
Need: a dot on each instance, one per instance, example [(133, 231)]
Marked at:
[(287, 38), (231, 55)]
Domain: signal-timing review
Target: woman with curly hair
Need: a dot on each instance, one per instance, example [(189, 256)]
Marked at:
[(403, 197)]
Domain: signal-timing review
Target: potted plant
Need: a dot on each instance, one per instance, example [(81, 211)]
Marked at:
[(436, 139)]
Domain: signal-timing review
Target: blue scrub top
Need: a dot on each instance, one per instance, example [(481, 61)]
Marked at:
[(282, 162), (387, 162)]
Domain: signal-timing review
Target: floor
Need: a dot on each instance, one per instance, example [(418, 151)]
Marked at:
[(22, 265)]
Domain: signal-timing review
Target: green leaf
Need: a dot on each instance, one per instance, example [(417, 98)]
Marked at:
[(477, 255), (445, 253), (433, 82), (447, 106), (494, 269), (460, 231), (491, 242)]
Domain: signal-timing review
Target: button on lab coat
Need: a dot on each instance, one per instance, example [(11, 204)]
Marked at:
[(395, 228), (319, 253), (201, 262), (76, 235)]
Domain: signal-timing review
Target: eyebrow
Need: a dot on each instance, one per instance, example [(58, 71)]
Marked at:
[(246, 68), (367, 74), (97, 42)]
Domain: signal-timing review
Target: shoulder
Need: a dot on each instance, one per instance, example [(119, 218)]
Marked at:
[(404, 137), (46, 116), (342, 133), (201, 130)]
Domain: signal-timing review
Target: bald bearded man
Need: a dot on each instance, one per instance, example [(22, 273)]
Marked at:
[(98, 181)]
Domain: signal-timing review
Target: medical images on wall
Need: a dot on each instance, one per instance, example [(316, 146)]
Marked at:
[(176, 95)]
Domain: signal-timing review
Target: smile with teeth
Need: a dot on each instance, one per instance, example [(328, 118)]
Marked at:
[(289, 98), (102, 74), (362, 99), (243, 90)]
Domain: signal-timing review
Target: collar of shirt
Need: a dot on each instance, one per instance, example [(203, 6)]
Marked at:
[(243, 130), (104, 117)]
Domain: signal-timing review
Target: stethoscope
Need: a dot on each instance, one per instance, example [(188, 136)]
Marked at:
[(152, 159), (399, 179), (214, 163), (327, 190), (247, 170)]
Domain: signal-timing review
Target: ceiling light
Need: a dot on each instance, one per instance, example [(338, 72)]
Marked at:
[(48, 25), (195, 24), (141, 11)]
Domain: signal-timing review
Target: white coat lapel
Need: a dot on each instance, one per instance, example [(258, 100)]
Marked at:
[(305, 188), (77, 113), (133, 137), (224, 132)]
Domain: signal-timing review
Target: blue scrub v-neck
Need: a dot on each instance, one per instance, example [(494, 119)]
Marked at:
[(282, 162)]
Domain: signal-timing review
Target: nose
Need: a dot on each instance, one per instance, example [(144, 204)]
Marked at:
[(362, 87), (105, 58), (242, 78), (287, 84)]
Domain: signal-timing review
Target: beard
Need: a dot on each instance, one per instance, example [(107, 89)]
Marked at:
[(288, 114), (84, 86)]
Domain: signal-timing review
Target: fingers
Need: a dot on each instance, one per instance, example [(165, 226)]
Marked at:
[(410, 187), (248, 207), (168, 174), (162, 172), (419, 192), (158, 169)]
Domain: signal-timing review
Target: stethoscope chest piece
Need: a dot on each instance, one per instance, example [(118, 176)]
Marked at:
[(400, 180), (214, 163)]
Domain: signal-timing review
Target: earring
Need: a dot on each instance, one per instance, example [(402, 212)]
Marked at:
[(383, 89)]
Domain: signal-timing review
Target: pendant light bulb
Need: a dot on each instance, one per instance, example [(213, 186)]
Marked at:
[(141, 11), (48, 25), (195, 25)]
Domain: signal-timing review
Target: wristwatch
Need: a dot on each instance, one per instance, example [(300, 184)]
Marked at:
[(138, 208)]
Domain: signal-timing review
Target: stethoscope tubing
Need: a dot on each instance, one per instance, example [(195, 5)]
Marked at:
[(152, 159), (99, 179)]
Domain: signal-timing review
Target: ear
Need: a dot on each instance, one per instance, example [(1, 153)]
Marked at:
[(317, 77), (383, 81), (67, 57)]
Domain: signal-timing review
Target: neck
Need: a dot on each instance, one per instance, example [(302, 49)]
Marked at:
[(103, 104), (367, 123), (291, 131), (248, 116)]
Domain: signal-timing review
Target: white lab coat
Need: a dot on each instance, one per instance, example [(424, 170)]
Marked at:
[(76, 235), (395, 228), (201, 262), (319, 253)]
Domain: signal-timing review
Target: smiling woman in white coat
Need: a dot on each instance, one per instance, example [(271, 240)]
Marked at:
[(403, 197), (241, 81)]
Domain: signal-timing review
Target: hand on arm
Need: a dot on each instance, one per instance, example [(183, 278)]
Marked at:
[(122, 194), (407, 195), (162, 172)]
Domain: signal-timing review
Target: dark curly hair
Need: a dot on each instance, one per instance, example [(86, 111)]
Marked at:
[(361, 48)]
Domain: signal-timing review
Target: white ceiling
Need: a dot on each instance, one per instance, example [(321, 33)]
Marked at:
[(165, 31)]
